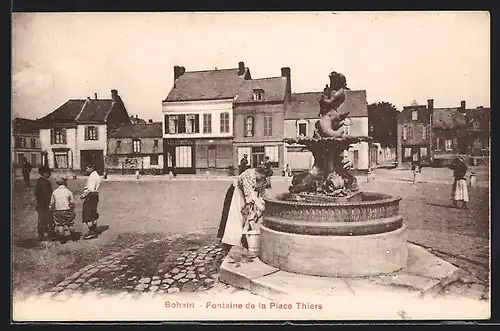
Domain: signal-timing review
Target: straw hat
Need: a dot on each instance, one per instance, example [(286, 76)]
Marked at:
[(61, 180)]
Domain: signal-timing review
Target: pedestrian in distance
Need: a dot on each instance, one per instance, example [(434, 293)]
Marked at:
[(90, 197), (26, 170), (43, 194), (243, 164), (460, 193), (62, 204)]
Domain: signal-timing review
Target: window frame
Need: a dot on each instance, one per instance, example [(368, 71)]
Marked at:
[(258, 94), (136, 146), (448, 146), (249, 122), (33, 143), (207, 123), (268, 125), (58, 133), (91, 133), (302, 122), (225, 126), (414, 115)]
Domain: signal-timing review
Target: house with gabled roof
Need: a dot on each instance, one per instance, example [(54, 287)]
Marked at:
[(76, 133), (259, 111), (26, 142), (136, 147), (301, 118), (198, 119)]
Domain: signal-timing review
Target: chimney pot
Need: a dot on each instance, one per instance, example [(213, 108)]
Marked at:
[(114, 95), (462, 104), (95, 96), (136, 116), (178, 71), (150, 121), (430, 104), (241, 68)]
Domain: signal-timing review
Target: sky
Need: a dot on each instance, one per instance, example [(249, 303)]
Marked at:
[(397, 57)]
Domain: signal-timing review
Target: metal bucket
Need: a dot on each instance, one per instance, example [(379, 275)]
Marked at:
[(253, 240)]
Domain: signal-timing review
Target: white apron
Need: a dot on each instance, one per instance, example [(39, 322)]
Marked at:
[(235, 222)]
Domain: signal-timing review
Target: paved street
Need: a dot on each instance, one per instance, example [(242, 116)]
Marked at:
[(159, 238)]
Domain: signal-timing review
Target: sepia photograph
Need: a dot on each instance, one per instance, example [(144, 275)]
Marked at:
[(250, 166)]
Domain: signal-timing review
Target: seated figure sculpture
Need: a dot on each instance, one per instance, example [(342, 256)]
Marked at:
[(330, 125)]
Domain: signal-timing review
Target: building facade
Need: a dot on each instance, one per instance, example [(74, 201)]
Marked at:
[(478, 133), (259, 120), (198, 120), (26, 142), (301, 118), (136, 147), (76, 133), (414, 134)]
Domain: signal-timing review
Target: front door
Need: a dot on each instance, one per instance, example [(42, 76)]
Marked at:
[(92, 156), (257, 156), (212, 155)]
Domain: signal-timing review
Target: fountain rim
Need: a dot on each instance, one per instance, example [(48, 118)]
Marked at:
[(388, 199)]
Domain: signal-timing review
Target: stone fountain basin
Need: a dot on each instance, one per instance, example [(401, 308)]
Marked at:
[(375, 226)]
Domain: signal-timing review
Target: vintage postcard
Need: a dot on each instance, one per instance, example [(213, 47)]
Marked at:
[(250, 166)]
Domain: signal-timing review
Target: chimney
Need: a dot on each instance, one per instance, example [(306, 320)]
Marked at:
[(95, 96), (150, 121), (178, 71), (114, 95), (286, 72), (462, 105), (430, 104), (136, 116), (241, 68)]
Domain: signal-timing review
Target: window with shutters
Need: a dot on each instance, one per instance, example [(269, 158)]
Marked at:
[(23, 143), (33, 143), (91, 133), (136, 146), (414, 115), (268, 125), (248, 126), (258, 94), (448, 144), (207, 123), (438, 144), (58, 136), (224, 122), (405, 132), (424, 132)]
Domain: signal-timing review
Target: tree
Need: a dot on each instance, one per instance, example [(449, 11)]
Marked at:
[(383, 123)]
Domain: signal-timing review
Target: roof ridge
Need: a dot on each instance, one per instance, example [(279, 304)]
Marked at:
[(266, 78), (207, 70)]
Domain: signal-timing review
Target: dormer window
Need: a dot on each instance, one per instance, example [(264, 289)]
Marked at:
[(414, 115), (258, 94)]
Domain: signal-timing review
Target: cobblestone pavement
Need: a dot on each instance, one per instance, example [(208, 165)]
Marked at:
[(130, 272)]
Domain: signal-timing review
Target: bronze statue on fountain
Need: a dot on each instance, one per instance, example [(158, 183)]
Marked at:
[(329, 175)]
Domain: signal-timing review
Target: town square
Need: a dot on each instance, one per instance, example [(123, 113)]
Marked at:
[(247, 181)]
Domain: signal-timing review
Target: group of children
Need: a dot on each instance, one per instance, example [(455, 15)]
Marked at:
[(56, 209)]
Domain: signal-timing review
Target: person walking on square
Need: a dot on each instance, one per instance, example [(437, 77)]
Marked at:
[(243, 164), (43, 193), (90, 198), (62, 204), (269, 168), (26, 170), (460, 191)]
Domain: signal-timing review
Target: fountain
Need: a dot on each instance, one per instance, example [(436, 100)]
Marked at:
[(324, 225), (325, 236)]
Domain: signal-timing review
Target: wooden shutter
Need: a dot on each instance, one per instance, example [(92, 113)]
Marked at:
[(96, 128), (167, 125), (52, 136), (86, 133), (64, 136), (182, 124), (197, 123)]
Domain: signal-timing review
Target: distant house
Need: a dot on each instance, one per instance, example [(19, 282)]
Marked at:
[(75, 134), (198, 120), (259, 119), (478, 132), (136, 147), (301, 118), (26, 142), (449, 134), (414, 134)]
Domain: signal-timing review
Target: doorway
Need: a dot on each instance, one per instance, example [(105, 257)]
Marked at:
[(92, 156), (257, 155), (212, 156)]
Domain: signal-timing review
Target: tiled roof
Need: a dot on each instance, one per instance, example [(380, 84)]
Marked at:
[(448, 118), (24, 125), (95, 110), (306, 105), (207, 85), (66, 113), (273, 87), (150, 130)]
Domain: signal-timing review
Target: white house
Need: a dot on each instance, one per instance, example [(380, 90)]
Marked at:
[(75, 134), (300, 120), (198, 119)]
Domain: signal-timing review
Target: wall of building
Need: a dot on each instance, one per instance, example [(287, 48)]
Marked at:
[(117, 157), (214, 107), (71, 137), (223, 149), (258, 112), (28, 151), (82, 144)]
